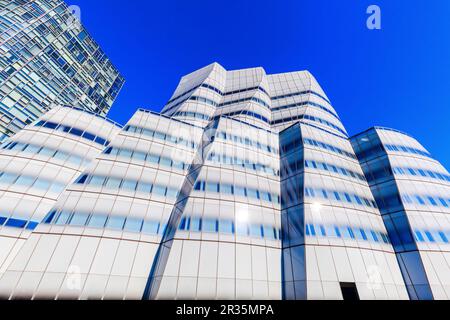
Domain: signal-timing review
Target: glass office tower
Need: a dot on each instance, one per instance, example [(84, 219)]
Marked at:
[(47, 58), (246, 186)]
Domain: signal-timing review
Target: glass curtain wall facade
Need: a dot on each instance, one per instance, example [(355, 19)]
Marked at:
[(101, 236), (412, 190), (224, 235), (333, 231), (47, 58), (38, 163), (245, 186)]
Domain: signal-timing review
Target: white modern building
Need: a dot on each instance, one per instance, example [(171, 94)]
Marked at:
[(246, 186), (38, 163), (412, 190)]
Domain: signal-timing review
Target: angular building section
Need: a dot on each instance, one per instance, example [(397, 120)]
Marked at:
[(195, 101), (412, 190), (224, 239), (38, 163), (47, 58), (335, 244), (246, 186)]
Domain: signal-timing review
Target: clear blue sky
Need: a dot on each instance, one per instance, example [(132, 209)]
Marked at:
[(397, 77)]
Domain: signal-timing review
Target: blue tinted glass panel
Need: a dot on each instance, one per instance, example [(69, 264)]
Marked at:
[(240, 191), (144, 187), (195, 224), (150, 227), (209, 225), (242, 229), (129, 185), (113, 183), (226, 189), (15, 223), (269, 233), (255, 231), (97, 181), (226, 226), (97, 221), (8, 178), (159, 190), (32, 225), (172, 193), (115, 222), (182, 225), (79, 219), (212, 187), (133, 225), (41, 185), (49, 217), (443, 237), (63, 217), (25, 181)]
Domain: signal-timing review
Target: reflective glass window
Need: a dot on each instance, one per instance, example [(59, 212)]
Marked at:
[(115, 222), (133, 225), (97, 221)]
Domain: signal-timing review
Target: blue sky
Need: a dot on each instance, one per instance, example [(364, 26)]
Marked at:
[(396, 77)]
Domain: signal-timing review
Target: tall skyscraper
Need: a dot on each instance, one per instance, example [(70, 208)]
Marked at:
[(246, 186), (48, 58)]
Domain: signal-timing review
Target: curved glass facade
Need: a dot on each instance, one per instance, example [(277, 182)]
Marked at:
[(246, 186), (38, 163), (412, 191)]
